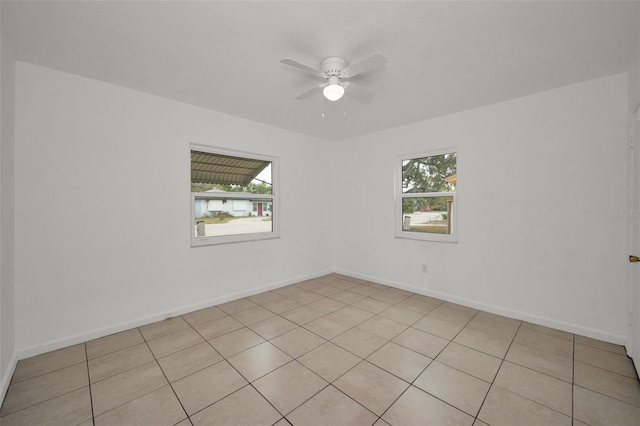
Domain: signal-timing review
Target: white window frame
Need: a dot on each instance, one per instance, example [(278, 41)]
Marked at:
[(273, 198), (399, 196)]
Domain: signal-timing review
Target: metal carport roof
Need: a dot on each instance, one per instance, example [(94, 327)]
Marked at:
[(207, 167)]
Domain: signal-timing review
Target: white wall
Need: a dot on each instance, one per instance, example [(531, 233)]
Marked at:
[(549, 164), (92, 160), (7, 324), (100, 157)]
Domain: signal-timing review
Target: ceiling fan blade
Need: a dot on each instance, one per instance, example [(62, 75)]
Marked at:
[(369, 63), (310, 92), (367, 74), (299, 66), (360, 94)]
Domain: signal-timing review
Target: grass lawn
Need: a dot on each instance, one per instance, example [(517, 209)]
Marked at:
[(223, 219), (212, 220), (432, 229)]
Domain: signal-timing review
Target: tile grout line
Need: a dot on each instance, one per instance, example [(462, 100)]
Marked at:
[(361, 359), (350, 397), (86, 353), (48, 372), (411, 384), (362, 322), (138, 397), (164, 374), (44, 401), (538, 372), (325, 314), (224, 358), (572, 382), (608, 396), (599, 367), (248, 384), (443, 349), (117, 350), (447, 345), (350, 328), (390, 340), (329, 384), (251, 383), (48, 399), (591, 345), (498, 371), (298, 326), (284, 416), (123, 371)]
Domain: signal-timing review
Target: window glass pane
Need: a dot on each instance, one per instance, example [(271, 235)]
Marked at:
[(427, 214), (436, 173), (231, 217), (232, 195), (261, 184)]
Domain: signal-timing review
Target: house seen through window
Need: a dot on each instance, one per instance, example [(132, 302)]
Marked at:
[(426, 202), (233, 196)]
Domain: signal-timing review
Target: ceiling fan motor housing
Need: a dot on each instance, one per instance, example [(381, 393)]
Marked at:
[(333, 67)]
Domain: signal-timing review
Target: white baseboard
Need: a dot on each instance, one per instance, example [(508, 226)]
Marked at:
[(27, 352), (6, 377), (523, 316), (53, 345)]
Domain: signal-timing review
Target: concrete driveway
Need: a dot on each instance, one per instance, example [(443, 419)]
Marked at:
[(244, 225), (421, 218)]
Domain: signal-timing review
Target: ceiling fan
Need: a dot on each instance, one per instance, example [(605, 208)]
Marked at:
[(336, 74)]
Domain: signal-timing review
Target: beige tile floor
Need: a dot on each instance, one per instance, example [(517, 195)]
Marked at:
[(330, 351)]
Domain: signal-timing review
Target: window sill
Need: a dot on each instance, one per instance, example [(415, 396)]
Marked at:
[(427, 237), (231, 239)]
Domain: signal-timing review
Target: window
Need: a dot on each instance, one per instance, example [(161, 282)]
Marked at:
[(233, 196), (426, 196)]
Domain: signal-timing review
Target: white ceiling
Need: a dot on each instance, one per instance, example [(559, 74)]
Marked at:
[(443, 57)]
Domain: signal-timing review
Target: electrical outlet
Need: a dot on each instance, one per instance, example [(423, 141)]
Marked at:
[(425, 268), (168, 315), (630, 319)]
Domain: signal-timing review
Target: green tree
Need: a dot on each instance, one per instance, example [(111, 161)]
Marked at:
[(408, 205), (258, 188), (427, 174), (201, 187), (251, 188)]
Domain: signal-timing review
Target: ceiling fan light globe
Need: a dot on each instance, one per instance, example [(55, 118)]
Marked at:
[(333, 92)]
